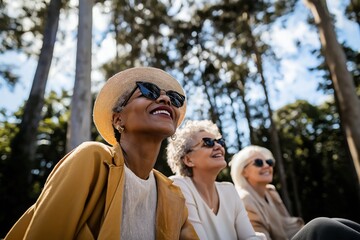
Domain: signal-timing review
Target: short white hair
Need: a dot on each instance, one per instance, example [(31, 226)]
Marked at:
[(180, 145), (242, 159)]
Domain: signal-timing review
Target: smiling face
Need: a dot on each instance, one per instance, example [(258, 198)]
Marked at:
[(258, 175), (202, 158), (145, 116)]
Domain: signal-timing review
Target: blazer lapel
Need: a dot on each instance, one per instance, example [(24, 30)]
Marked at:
[(169, 209), (114, 195)]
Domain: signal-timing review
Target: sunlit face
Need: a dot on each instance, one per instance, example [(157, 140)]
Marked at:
[(256, 175), (145, 116), (205, 158)]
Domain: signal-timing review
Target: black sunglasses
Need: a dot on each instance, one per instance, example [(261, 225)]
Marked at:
[(209, 143), (259, 162), (152, 92)]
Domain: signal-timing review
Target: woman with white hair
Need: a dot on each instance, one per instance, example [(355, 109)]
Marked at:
[(197, 157), (252, 172)]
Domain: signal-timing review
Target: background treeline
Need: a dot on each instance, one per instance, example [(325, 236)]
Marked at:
[(221, 57)]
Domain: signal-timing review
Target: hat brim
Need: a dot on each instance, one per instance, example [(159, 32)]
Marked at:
[(123, 82)]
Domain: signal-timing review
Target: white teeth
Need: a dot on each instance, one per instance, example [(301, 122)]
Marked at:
[(161, 112)]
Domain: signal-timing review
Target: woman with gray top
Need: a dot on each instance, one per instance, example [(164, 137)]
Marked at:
[(252, 173)]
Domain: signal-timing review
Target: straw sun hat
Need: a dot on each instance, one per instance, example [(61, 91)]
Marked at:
[(124, 82)]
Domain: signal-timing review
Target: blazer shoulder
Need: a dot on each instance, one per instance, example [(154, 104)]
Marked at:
[(166, 186), (93, 146), (94, 150)]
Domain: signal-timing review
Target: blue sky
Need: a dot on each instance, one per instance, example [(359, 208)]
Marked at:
[(297, 83)]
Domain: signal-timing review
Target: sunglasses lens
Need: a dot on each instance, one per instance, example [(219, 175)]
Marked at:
[(221, 141), (149, 90), (208, 142), (258, 163), (270, 162), (176, 98)]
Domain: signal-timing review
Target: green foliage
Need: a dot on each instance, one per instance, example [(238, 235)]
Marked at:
[(51, 139), (138, 31), (353, 62), (353, 11), (10, 34), (8, 130), (21, 29), (317, 161)]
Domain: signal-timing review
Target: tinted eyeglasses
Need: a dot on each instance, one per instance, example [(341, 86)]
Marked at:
[(152, 92), (259, 162), (209, 143)]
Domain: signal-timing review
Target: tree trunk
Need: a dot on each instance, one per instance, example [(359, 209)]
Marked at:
[(348, 101), (80, 120), (26, 138), (274, 138), (237, 130), (24, 144), (355, 6), (241, 85)]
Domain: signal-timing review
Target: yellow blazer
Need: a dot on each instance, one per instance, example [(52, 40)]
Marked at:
[(82, 199)]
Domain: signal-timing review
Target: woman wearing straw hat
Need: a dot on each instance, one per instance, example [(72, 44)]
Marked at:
[(252, 173), (112, 192), (215, 209)]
